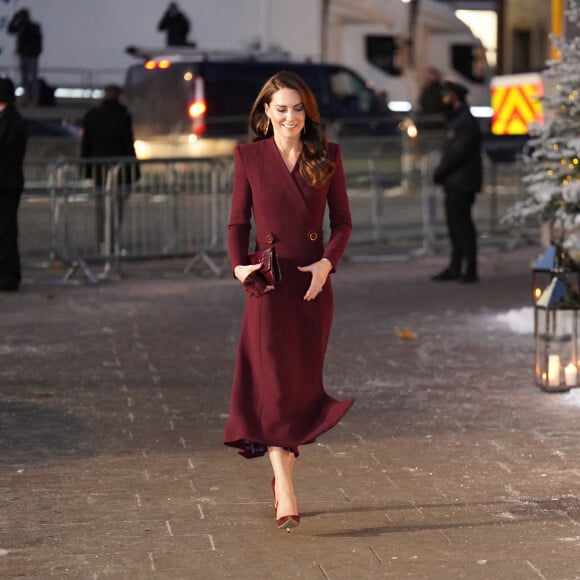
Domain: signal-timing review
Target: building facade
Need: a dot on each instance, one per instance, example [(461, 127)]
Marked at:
[(523, 29)]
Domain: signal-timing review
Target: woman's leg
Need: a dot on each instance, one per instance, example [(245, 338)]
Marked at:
[(291, 462), (283, 465)]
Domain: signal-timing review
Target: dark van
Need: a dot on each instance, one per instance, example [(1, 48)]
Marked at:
[(198, 104)]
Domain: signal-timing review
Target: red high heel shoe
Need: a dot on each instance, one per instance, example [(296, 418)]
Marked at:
[(288, 522), (285, 522)]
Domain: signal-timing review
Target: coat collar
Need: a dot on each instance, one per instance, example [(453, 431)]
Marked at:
[(291, 181)]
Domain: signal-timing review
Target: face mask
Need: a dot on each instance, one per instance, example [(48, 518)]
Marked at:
[(448, 108)]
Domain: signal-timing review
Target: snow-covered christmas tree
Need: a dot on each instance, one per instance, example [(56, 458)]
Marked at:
[(553, 158)]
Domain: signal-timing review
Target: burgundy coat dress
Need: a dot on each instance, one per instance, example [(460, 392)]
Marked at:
[(278, 397)]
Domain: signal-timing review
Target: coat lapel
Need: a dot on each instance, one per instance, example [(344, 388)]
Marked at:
[(276, 174)]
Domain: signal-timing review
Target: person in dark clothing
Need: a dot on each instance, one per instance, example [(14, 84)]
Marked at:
[(431, 110), (460, 172), (28, 48), (176, 25), (13, 138), (108, 132), (430, 102)]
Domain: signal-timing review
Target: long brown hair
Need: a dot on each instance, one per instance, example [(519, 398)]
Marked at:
[(314, 165)]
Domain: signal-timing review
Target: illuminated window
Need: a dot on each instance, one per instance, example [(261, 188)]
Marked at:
[(483, 24)]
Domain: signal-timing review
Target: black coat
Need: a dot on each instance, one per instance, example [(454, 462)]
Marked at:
[(430, 102), (12, 149), (461, 167), (177, 26), (108, 132), (13, 137), (29, 35)]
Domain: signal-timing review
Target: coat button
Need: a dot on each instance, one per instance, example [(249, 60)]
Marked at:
[(270, 238), (312, 236)]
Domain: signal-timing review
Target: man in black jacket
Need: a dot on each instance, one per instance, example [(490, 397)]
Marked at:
[(12, 149), (108, 132), (176, 24), (460, 172), (29, 48)]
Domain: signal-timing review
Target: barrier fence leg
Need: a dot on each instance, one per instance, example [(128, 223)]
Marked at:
[(207, 260), (493, 201), (113, 198), (429, 206), (203, 255), (53, 212), (83, 266), (377, 202)]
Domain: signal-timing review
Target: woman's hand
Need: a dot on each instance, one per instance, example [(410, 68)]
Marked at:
[(242, 272), (253, 283), (320, 271)]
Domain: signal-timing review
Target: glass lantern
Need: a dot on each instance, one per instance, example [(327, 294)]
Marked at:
[(556, 336), (554, 261)]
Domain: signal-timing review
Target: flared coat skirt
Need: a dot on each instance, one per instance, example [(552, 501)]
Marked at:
[(278, 397)]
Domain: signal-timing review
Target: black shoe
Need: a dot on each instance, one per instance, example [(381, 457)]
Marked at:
[(469, 279), (445, 276)]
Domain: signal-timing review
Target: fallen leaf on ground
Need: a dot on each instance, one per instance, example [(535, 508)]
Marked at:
[(406, 334)]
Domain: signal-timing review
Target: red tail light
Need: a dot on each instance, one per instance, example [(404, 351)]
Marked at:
[(153, 64), (196, 109)]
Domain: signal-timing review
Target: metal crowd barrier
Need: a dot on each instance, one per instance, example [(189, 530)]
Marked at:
[(95, 214), (180, 207), (394, 200)]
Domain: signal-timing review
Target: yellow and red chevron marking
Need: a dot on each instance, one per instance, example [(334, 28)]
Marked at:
[(516, 105)]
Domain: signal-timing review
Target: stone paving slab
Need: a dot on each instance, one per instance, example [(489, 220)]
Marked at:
[(451, 464)]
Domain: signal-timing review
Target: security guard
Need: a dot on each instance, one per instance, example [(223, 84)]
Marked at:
[(460, 172)]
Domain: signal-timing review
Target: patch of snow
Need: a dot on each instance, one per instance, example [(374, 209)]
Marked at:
[(520, 321), (572, 398), (27, 349), (506, 515)]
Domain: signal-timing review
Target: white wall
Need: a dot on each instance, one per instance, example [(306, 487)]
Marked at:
[(93, 34)]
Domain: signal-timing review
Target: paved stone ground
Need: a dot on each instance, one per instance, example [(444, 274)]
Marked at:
[(452, 464)]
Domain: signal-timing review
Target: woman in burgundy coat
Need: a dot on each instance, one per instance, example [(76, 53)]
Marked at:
[(285, 179)]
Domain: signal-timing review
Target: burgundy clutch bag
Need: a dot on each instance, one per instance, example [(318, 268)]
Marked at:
[(270, 270)]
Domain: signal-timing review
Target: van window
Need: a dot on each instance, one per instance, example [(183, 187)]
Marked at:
[(384, 53), (469, 61), (351, 92), (230, 89), (158, 99)]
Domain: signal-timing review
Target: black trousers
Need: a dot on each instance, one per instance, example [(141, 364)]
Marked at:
[(10, 274), (462, 234)]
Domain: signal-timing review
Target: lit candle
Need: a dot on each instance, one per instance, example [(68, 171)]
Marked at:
[(554, 370), (571, 373)]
